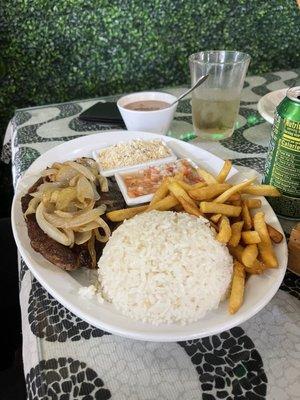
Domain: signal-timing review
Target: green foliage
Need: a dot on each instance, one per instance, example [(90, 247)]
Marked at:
[(55, 51)]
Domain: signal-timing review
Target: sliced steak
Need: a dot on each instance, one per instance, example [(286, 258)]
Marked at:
[(65, 257)]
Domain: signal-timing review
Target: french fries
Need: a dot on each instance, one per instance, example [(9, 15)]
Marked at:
[(215, 218), (253, 203), (257, 268), (225, 209), (261, 190), (237, 288), (208, 192), (189, 208), (178, 208), (209, 178), (178, 191), (234, 189), (198, 185), (235, 202), (236, 252), (224, 233), (213, 225), (249, 255), (250, 237), (165, 204), (224, 171), (236, 233), (275, 235), (125, 213), (246, 217), (187, 187), (184, 185), (161, 192), (265, 246), (234, 197)]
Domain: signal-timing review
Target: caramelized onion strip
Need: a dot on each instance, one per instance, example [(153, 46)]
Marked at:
[(48, 228), (49, 171), (92, 251), (84, 189), (103, 182), (32, 206), (70, 235), (84, 218), (82, 169), (87, 227), (82, 237), (107, 232)]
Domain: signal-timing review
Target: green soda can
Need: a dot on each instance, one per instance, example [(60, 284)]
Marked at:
[(282, 168)]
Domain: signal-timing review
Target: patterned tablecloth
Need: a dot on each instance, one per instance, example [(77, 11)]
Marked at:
[(66, 358)]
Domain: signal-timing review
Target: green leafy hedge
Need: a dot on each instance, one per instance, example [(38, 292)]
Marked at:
[(55, 51)]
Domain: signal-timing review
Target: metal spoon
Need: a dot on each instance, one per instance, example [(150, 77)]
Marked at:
[(198, 83)]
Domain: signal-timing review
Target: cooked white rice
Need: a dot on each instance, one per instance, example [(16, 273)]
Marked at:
[(164, 267)]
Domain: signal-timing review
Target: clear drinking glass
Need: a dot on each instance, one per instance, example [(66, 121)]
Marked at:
[(215, 104)]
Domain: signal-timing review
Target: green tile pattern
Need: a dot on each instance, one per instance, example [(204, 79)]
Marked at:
[(54, 51)]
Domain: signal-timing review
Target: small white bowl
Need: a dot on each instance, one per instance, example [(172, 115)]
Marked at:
[(157, 121)]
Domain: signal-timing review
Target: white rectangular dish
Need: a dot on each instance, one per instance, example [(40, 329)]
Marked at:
[(131, 201), (112, 171), (157, 173)]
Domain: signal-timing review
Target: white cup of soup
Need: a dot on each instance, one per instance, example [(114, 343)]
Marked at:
[(148, 111)]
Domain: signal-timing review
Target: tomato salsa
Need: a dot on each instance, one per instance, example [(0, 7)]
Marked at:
[(146, 181)]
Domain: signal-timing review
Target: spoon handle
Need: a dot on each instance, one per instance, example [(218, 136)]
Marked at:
[(198, 83)]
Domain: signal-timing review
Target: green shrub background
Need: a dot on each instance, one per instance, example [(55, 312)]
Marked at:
[(54, 50)]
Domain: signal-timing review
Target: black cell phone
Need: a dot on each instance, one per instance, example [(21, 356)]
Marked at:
[(106, 113)]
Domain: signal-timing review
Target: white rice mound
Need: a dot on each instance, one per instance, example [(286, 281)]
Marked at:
[(165, 267)]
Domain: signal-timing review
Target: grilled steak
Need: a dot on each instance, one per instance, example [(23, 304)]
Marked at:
[(65, 257)]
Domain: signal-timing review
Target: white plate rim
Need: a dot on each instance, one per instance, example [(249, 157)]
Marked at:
[(149, 336), (261, 104)]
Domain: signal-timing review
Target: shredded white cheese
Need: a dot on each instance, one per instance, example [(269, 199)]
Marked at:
[(132, 153)]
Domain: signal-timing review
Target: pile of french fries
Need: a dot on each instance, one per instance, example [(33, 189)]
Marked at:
[(249, 238)]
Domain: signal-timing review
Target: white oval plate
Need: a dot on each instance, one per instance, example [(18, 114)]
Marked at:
[(64, 286), (268, 103)]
